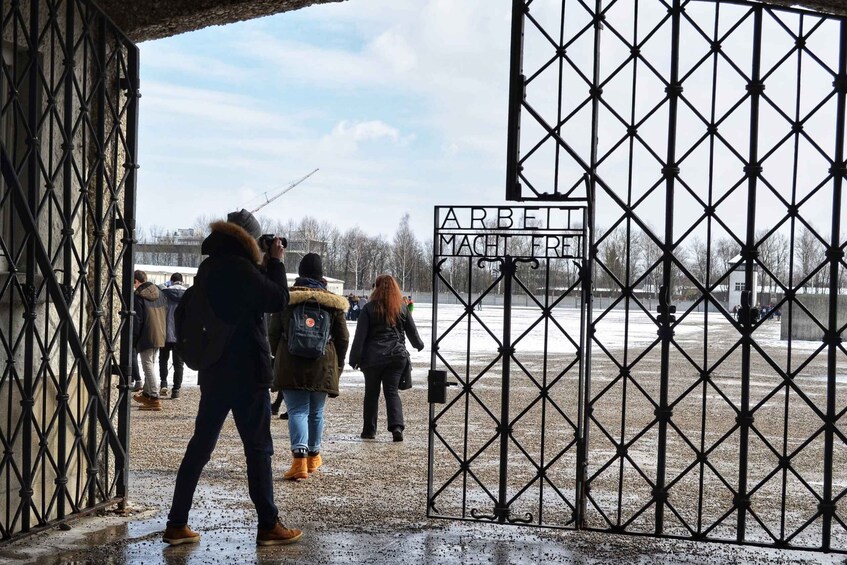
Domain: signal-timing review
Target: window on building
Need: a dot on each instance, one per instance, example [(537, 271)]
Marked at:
[(739, 287)]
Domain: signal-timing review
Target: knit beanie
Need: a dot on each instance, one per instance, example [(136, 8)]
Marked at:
[(311, 267), (245, 219)]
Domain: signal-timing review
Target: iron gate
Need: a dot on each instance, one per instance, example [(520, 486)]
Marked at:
[(707, 139), (506, 447), (68, 116)]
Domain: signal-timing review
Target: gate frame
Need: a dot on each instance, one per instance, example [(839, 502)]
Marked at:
[(103, 107)]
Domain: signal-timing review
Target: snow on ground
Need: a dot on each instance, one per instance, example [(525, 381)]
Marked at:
[(613, 329)]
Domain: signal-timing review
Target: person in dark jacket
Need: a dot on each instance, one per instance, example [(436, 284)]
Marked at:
[(306, 383), (239, 293), (379, 348), (149, 335), (173, 293)]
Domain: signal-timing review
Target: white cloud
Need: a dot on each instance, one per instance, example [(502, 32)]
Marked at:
[(365, 131), (211, 106)]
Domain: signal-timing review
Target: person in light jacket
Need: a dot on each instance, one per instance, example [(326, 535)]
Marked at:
[(379, 348), (173, 293)]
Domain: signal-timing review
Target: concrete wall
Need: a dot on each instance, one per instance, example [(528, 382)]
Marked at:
[(801, 325)]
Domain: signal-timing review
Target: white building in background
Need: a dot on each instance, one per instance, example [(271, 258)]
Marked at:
[(736, 283), (158, 274)]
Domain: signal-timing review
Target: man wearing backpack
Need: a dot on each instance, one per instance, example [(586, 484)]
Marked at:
[(236, 292)]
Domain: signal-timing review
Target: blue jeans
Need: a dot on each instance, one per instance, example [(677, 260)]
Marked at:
[(251, 410), (305, 418)]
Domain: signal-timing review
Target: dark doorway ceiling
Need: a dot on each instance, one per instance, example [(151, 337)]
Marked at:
[(153, 19)]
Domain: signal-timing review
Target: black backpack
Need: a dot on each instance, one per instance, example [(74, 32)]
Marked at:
[(309, 330), (201, 337)]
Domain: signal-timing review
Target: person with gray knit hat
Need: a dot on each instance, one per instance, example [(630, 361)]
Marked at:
[(247, 221), (236, 378)]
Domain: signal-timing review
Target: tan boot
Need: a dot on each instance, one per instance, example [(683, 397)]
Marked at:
[(299, 469), (314, 462), (180, 535), (278, 535)]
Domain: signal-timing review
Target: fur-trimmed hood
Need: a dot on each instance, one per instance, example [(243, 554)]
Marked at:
[(324, 297), (227, 237), (148, 291)]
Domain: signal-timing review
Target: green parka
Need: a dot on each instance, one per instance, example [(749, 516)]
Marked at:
[(299, 373)]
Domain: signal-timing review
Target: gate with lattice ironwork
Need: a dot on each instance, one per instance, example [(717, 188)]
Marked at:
[(68, 115), (706, 140)]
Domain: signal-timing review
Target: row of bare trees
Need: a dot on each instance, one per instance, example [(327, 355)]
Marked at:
[(353, 255), (624, 257), (784, 260)]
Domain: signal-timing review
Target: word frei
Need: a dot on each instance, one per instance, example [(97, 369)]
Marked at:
[(554, 232)]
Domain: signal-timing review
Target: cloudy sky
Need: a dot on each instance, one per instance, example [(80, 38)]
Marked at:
[(402, 106)]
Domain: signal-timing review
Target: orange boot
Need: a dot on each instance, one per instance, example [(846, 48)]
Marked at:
[(314, 462), (299, 467)]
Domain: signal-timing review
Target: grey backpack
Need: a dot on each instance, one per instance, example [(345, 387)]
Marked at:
[(309, 330)]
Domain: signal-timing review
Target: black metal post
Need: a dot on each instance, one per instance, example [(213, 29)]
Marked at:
[(67, 254), (665, 310), (127, 266), (508, 267), (30, 314), (97, 275), (516, 96), (835, 254), (753, 169)]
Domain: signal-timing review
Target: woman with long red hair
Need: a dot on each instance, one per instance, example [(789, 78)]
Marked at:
[(379, 349)]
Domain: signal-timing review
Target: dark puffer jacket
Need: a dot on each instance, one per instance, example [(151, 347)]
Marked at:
[(317, 375), (240, 293), (376, 343), (151, 309)]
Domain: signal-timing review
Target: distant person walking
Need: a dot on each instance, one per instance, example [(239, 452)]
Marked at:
[(232, 285), (379, 348), (173, 293), (148, 336), (307, 381)]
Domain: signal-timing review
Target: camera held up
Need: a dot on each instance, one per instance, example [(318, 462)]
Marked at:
[(266, 240)]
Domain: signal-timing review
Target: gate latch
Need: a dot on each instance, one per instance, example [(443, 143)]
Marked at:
[(437, 387)]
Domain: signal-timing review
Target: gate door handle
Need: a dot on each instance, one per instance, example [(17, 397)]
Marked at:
[(437, 387)]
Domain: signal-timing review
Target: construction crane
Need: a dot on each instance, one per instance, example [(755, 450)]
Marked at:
[(286, 189)]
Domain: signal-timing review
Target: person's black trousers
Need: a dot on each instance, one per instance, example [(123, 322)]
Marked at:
[(388, 377), (179, 366), (251, 410)]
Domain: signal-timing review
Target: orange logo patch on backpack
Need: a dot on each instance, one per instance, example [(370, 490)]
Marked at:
[(310, 322)]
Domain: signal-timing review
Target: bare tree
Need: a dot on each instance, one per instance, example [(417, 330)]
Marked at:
[(405, 250), (808, 255)]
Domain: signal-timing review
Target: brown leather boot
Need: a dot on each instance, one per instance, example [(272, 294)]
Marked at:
[(278, 535), (299, 467), (180, 535), (313, 462)]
